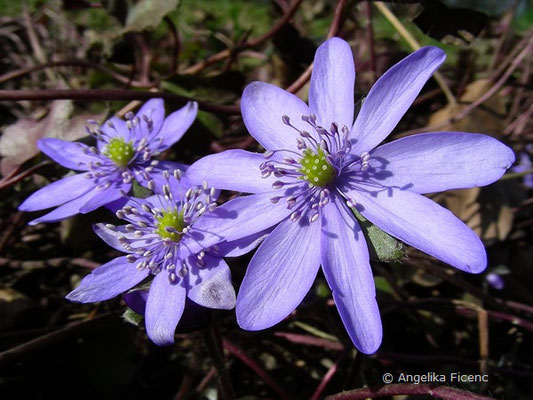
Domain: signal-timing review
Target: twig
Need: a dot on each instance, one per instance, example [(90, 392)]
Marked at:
[(439, 392), (143, 60), (466, 309), (522, 119), (34, 42), (334, 29), (206, 379), (370, 39), (111, 94), (514, 175), (214, 347), (457, 281), (512, 55), (59, 335), (185, 388), (194, 69), (10, 180), (483, 328), (250, 362), (483, 98), (177, 43), (52, 262), (310, 340), (8, 231), (413, 43), (69, 63), (507, 21), (327, 377)]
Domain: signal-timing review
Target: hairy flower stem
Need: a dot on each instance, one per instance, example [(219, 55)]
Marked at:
[(213, 343), (438, 392)]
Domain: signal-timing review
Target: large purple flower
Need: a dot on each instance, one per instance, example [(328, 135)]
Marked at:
[(320, 164), (162, 242), (123, 152)]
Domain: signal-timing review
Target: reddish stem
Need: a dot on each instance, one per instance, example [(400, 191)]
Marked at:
[(250, 362), (439, 392), (111, 94)]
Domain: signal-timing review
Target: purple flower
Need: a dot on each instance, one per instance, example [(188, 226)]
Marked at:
[(162, 242), (124, 152), (525, 164), (495, 280), (320, 164)]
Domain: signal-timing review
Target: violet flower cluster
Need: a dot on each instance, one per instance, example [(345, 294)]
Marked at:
[(158, 238), (320, 166), (124, 151)]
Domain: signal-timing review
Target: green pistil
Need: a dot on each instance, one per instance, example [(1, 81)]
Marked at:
[(119, 151), (317, 171), (172, 219)]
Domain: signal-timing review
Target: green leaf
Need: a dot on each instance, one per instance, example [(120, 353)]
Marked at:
[(322, 290), (382, 284), (148, 14), (382, 246), (210, 122), (140, 191), (132, 317)]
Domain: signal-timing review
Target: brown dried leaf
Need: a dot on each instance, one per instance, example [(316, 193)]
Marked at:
[(487, 210), (19, 141), (488, 118)]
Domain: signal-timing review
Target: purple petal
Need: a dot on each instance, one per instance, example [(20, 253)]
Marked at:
[(279, 275), (263, 106), (210, 286), (71, 155), (392, 95), (155, 110), (433, 162), (107, 281), (58, 192), (242, 246), (331, 95), (164, 308), (176, 124), (422, 223), (136, 300), (236, 170), (66, 210), (345, 263), (236, 219), (105, 196)]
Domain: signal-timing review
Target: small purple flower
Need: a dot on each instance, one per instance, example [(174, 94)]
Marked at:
[(525, 164), (162, 242), (320, 164), (495, 280), (124, 152)]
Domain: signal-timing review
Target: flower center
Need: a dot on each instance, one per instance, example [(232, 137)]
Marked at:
[(119, 151), (315, 168), (169, 225)]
